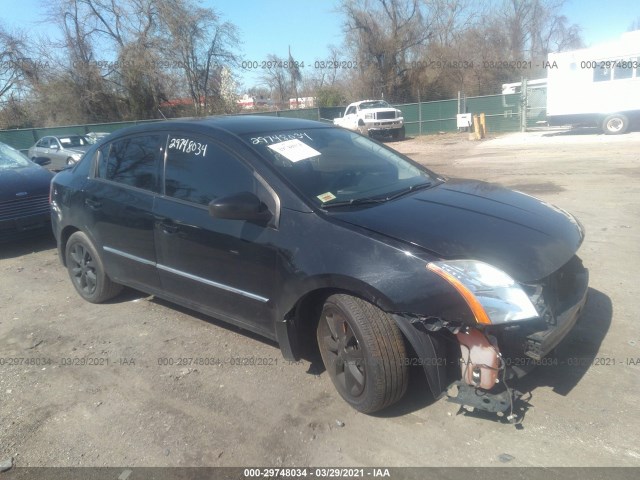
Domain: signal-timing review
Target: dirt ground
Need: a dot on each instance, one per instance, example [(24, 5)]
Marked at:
[(91, 385)]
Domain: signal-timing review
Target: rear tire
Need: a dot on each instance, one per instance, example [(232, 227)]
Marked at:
[(615, 124), (363, 352), (86, 270)]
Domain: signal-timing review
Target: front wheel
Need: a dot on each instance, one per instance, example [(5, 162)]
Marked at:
[(399, 134), (363, 352), (615, 124), (86, 270), (70, 161)]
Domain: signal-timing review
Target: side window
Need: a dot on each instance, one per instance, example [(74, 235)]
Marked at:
[(199, 171), (132, 161), (623, 69), (601, 73), (43, 143), (350, 110)]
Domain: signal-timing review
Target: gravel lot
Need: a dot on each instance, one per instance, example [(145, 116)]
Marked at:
[(131, 407)]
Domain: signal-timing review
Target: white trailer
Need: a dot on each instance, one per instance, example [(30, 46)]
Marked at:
[(598, 85)]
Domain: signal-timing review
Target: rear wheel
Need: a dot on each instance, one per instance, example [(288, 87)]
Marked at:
[(363, 352), (86, 270), (615, 124)]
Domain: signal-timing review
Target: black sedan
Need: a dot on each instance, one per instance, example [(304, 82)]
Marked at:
[(24, 195), (316, 236)]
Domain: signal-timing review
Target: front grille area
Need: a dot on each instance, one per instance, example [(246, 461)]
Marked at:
[(385, 115), (557, 298), (559, 288), (24, 207)]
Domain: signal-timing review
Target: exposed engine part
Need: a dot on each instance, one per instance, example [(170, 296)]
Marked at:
[(480, 362)]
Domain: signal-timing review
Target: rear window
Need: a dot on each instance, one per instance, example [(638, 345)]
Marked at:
[(132, 161)]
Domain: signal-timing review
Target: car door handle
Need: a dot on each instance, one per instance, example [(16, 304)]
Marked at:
[(169, 227), (92, 204)]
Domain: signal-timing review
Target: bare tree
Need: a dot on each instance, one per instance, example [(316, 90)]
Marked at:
[(277, 77), (536, 27), (202, 47), (12, 61), (384, 35), (328, 70)]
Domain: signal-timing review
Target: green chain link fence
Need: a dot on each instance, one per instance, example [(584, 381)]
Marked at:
[(502, 114)]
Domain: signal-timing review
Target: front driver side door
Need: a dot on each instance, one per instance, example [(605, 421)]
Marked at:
[(223, 267)]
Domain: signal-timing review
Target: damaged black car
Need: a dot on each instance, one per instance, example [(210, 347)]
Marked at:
[(320, 238)]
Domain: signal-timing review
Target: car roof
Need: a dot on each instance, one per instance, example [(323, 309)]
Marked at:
[(234, 124)]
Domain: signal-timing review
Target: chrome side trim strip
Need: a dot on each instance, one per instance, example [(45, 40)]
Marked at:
[(187, 275), (213, 284), (129, 256)]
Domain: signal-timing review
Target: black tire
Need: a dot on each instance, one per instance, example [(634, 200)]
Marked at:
[(399, 134), (86, 270), (403, 133), (363, 352), (615, 124)]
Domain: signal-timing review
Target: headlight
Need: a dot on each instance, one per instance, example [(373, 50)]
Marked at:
[(369, 116), (493, 296)]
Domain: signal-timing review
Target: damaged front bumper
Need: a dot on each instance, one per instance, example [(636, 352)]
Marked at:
[(490, 356)]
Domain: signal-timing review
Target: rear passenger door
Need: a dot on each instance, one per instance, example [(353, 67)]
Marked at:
[(119, 207), (223, 267)]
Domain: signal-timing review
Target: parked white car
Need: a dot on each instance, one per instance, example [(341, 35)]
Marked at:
[(373, 117)]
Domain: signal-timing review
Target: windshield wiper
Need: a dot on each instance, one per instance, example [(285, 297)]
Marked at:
[(370, 200), (412, 188), (355, 201)]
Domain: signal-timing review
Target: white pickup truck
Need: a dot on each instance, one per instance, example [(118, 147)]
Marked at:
[(373, 117)]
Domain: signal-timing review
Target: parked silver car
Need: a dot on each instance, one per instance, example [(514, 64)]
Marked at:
[(61, 150), (95, 137)]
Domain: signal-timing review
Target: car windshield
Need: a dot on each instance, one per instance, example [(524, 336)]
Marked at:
[(332, 166), (11, 158), (74, 141), (374, 104)]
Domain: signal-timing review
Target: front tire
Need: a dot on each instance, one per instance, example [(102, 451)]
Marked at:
[(86, 270), (615, 124), (363, 352), (399, 134)]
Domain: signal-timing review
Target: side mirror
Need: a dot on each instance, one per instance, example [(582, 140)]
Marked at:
[(240, 206)]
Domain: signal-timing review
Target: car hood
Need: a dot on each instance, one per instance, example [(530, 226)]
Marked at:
[(524, 236), (33, 180)]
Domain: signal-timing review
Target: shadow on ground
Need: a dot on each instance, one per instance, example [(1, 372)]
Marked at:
[(562, 371), (27, 243)]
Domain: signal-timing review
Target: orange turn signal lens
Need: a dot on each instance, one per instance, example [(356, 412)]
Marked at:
[(475, 306)]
